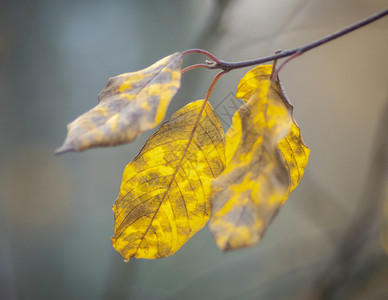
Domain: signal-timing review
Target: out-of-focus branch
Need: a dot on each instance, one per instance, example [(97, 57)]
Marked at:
[(363, 230), (211, 29)]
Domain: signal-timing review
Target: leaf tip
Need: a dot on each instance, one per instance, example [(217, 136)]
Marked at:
[(64, 148), (115, 246)]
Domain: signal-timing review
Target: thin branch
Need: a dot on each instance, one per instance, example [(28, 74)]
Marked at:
[(276, 71), (209, 91), (212, 31), (213, 83), (204, 52), (195, 67), (274, 74), (228, 66)]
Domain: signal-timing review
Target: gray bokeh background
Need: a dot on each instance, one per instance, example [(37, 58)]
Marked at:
[(55, 211)]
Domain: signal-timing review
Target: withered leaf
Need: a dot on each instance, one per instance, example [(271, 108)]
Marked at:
[(129, 104), (164, 195), (265, 158)]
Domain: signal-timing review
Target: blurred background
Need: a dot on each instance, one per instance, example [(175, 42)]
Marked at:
[(328, 240)]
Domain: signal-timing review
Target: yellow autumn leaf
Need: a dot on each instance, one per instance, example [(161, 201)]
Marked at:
[(129, 104), (164, 195), (252, 187), (294, 152), (265, 158)]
